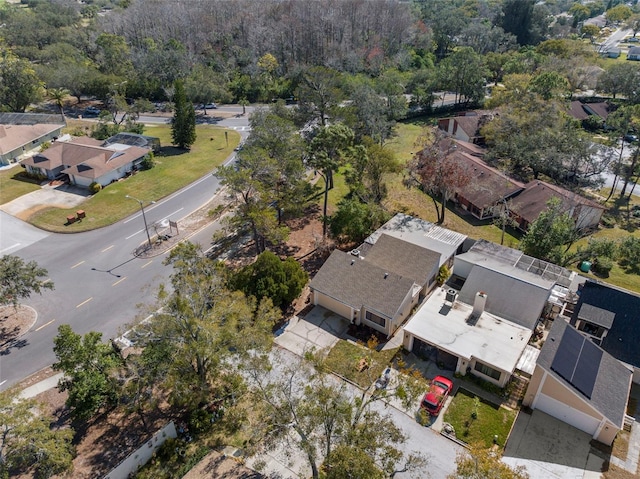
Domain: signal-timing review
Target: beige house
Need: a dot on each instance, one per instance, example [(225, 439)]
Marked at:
[(85, 160), (378, 288), (578, 383), (23, 132)]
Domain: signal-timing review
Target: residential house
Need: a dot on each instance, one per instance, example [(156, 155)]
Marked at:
[(582, 111), (421, 233), (466, 125), (532, 200), (610, 317), (21, 133), (85, 160), (466, 338), (579, 383), (520, 288), (379, 288), (487, 188), (633, 53)]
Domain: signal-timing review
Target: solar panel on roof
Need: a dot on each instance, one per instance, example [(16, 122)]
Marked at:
[(577, 361), (584, 377)]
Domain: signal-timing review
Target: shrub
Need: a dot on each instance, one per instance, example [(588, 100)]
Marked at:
[(148, 162), (602, 266), (608, 221), (46, 145), (443, 275), (95, 187)]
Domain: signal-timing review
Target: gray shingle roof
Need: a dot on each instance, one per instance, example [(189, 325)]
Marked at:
[(596, 315), (404, 258), (510, 297), (613, 380), (623, 339), (356, 282)]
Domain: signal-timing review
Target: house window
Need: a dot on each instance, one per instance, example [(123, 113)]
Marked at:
[(375, 319), (487, 370)]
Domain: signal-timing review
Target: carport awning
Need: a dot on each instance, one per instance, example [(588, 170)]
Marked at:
[(527, 362)]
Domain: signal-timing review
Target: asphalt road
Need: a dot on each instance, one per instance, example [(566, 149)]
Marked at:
[(99, 284)]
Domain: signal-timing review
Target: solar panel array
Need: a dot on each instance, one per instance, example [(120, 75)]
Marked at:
[(577, 361)]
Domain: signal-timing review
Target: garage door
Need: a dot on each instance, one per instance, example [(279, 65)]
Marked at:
[(567, 414)]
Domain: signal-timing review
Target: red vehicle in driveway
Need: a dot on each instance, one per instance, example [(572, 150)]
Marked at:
[(436, 395)]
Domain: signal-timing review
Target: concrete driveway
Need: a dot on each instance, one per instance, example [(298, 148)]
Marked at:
[(62, 196), (550, 449), (320, 329)]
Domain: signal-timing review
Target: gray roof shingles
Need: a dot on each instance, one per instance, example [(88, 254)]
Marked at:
[(596, 315), (613, 380), (404, 258), (358, 283), (623, 337)]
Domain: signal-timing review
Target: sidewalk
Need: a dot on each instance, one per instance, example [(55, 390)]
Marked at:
[(40, 387)]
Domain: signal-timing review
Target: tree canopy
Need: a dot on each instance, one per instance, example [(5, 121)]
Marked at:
[(18, 279)]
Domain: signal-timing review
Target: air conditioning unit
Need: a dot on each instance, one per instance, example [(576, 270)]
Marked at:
[(451, 295), (355, 252)]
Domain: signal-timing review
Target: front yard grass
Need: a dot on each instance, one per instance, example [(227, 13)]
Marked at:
[(173, 170), (491, 420), (14, 183), (345, 356)]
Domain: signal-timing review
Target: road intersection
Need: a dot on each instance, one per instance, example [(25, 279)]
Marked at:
[(100, 284)]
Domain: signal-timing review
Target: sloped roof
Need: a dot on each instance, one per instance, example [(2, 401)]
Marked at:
[(13, 137), (422, 233), (533, 199), (595, 315), (633, 51), (576, 110), (487, 185), (356, 282), (84, 159), (519, 297), (600, 109), (470, 148), (612, 382), (404, 258), (623, 339)]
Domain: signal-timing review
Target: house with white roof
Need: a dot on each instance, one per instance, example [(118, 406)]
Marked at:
[(465, 337)]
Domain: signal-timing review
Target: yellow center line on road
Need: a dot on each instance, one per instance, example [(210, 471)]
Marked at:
[(76, 265), (45, 324), (84, 302), (107, 249), (119, 281), (146, 264)]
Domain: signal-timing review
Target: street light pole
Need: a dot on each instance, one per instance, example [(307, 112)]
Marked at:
[(144, 218)]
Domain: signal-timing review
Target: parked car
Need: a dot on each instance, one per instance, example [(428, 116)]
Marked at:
[(383, 381), (436, 395), (630, 138), (206, 106), (91, 111)]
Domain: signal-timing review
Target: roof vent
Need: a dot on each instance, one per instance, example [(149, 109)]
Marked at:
[(355, 252), (385, 275)]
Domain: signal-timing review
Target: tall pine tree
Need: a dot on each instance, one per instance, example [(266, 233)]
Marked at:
[(183, 124)]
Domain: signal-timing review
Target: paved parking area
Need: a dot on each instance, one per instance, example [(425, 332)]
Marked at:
[(62, 196), (550, 449), (320, 329)]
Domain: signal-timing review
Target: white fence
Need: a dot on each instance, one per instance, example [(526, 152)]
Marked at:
[(140, 457)]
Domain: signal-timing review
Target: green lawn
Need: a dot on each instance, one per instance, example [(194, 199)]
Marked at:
[(14, 183), (174, 169), (490, 420), (344, 357)]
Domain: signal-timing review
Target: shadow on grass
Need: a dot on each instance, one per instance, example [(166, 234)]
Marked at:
[(22, 176), (167, 151)]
